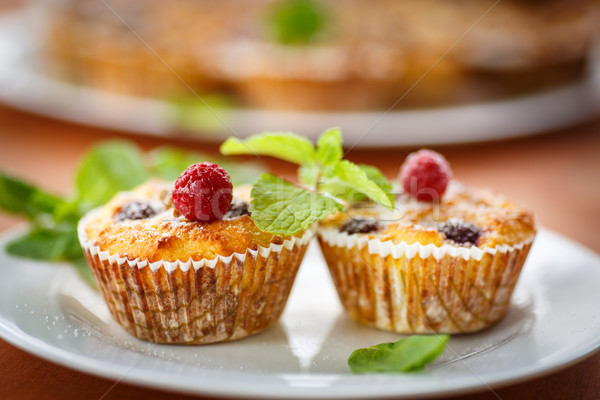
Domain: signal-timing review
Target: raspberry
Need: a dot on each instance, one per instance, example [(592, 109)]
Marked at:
[(425, 175), (203, 192)]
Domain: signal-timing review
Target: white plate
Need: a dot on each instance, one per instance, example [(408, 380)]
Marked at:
[(24, 86), (47, 310)]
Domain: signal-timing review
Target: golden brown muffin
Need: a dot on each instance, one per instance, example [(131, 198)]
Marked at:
[(426, 267), (170, 280), (169, 236)]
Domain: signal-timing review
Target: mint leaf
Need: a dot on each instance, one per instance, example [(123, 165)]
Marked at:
[(53, 245), (283, 145), (409, 354), (19, 197), (297, 21), (375, 175), (308, 174), (68, 212), (106, 169), (47, 244), (346, 179), (329, 147), (329, 151), (279, 207)]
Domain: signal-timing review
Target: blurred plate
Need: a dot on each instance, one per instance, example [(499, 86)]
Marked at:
[(23, 86), (553, 321)]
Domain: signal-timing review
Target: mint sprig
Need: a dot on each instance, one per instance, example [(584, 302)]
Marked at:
[(53, 244), (284, 145), (106, 169), (406, 355), (329, 147), (323, 172), (18, 197), (350, 182)]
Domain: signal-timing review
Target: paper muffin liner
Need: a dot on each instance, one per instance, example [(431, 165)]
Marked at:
[(197, 302), (422, 288)]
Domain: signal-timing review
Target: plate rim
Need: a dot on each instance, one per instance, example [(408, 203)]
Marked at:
[(107, 370)]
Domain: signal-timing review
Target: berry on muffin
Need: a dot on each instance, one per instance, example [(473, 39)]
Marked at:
[(425, 175), (203, 192)]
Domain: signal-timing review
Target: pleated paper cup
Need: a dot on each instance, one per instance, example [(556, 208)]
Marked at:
[(197, 302), (422, 288)]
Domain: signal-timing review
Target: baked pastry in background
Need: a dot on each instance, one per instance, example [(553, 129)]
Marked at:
[(350, 55)]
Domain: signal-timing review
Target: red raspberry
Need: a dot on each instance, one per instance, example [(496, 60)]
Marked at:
[(203, 192), (425, 175)]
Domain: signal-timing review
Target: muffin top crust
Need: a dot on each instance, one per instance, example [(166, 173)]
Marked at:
[(144, 224), (464, 217)]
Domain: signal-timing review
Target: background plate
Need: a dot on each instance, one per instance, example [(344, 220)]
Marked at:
[(47, 310), (23, 86)]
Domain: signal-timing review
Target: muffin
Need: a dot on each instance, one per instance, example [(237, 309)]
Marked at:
[(153, 49), (317, 77), (448, 265), (168, 278)]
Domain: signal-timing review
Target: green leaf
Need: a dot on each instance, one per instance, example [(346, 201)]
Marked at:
[(409, 354), (308, 174), (329, 147), (279, 207), (375, 175), (20, 197), (106, 169), (297, 21), (53, 245), (68, 212), (346, 179), (47, 244), (283, 145)]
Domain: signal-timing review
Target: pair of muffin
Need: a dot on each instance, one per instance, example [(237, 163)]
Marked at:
[(447, 265)]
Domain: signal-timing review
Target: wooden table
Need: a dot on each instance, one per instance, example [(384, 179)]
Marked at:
[(557, 175)]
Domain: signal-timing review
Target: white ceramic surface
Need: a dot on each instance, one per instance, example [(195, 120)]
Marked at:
[(24, 86), (47, 310)]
